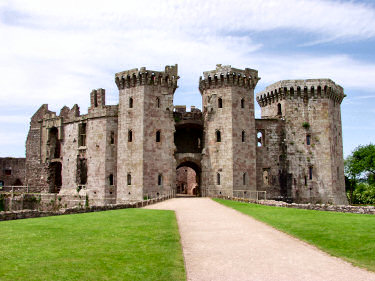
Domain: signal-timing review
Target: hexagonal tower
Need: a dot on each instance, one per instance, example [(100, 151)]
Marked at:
[(146, 165), (228, 159), (313, 136)]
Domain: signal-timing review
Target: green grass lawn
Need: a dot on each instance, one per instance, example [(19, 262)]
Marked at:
[(130, 244), (349, 236)]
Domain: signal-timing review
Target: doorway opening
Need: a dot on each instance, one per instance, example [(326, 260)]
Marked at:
[(188, 179)]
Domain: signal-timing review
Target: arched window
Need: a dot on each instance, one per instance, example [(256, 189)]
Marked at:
[(279, 112), (158, 136), (130, 136), (158, 102), (160, 179), (218, 136), (110, 178), (242, 103), (218, 178), (308, 139), (243, 136), (220, 103), (129, 179), (244, 178), (130, 102)]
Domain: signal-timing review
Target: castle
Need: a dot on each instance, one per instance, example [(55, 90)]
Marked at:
[(121, 153)]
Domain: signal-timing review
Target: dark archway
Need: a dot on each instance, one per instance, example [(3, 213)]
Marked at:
[(188, 179)]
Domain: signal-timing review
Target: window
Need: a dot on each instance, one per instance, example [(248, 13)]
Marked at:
[(308, 139), (244, 179), (259, 139), (112, 137), (305, 180), (242, 103), (243, 136), (218, 178), (129, 179), (130, 102), (310, 172), (82, 134), (279, 112), (1, 184), (110, 178), (218, 136), (95, 100), (158, 136), (130, 136), (7, 172), (158, 102), (160, 179), (220, 103)]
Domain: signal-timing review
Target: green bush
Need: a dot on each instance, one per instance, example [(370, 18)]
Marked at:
[(364, 193)]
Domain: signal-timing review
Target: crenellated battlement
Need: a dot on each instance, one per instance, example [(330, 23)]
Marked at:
[(226, 75), (301, 89), (134, 77)]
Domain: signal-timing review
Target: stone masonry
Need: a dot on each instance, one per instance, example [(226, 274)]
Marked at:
[(131, 151)]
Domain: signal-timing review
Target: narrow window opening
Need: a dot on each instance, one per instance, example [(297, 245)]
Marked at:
[(81, 171), (82, 134), (160, 179), (259, 139), (130, 102), (338, 173), (310, 172), (242, 103), (158, 102), (308, 139), (130, 136), (244, 179), (218, 178), (218, 136), (279, 111), (243, 136), (129, 179), (112, 137), (95, 100), (220, 103), (305, 180), (110, 179), (158, 136)]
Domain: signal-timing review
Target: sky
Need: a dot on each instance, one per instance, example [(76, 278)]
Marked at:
[(56, 52)]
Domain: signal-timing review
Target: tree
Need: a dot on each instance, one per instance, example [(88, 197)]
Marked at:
[(360, 165)]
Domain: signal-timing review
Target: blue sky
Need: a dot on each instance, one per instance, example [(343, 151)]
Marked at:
[(56, 52)]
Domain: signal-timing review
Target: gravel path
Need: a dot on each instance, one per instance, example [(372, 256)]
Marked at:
[(220, 243)]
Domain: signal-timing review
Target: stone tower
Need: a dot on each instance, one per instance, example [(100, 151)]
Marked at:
[(146, 164), (313, 140), (228, 160)]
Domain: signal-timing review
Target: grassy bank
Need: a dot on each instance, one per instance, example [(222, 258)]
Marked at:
[(131, 244), (349, 236)]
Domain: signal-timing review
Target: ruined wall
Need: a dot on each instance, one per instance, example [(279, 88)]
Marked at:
[(145, 107), (271, 158), (229, 164), (12, 172), (311, 110)]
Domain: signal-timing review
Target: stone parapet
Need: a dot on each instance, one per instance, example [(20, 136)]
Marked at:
[(134, 77), (226, 75), (301, 89)]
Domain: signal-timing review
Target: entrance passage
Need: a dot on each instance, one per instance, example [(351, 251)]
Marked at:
[(188, 179)]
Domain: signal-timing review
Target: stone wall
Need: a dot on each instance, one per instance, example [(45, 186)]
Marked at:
[(370, 210), (12, 172), (25, 214)]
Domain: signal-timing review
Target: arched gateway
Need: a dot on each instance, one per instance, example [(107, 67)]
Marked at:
[(188, 139)]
